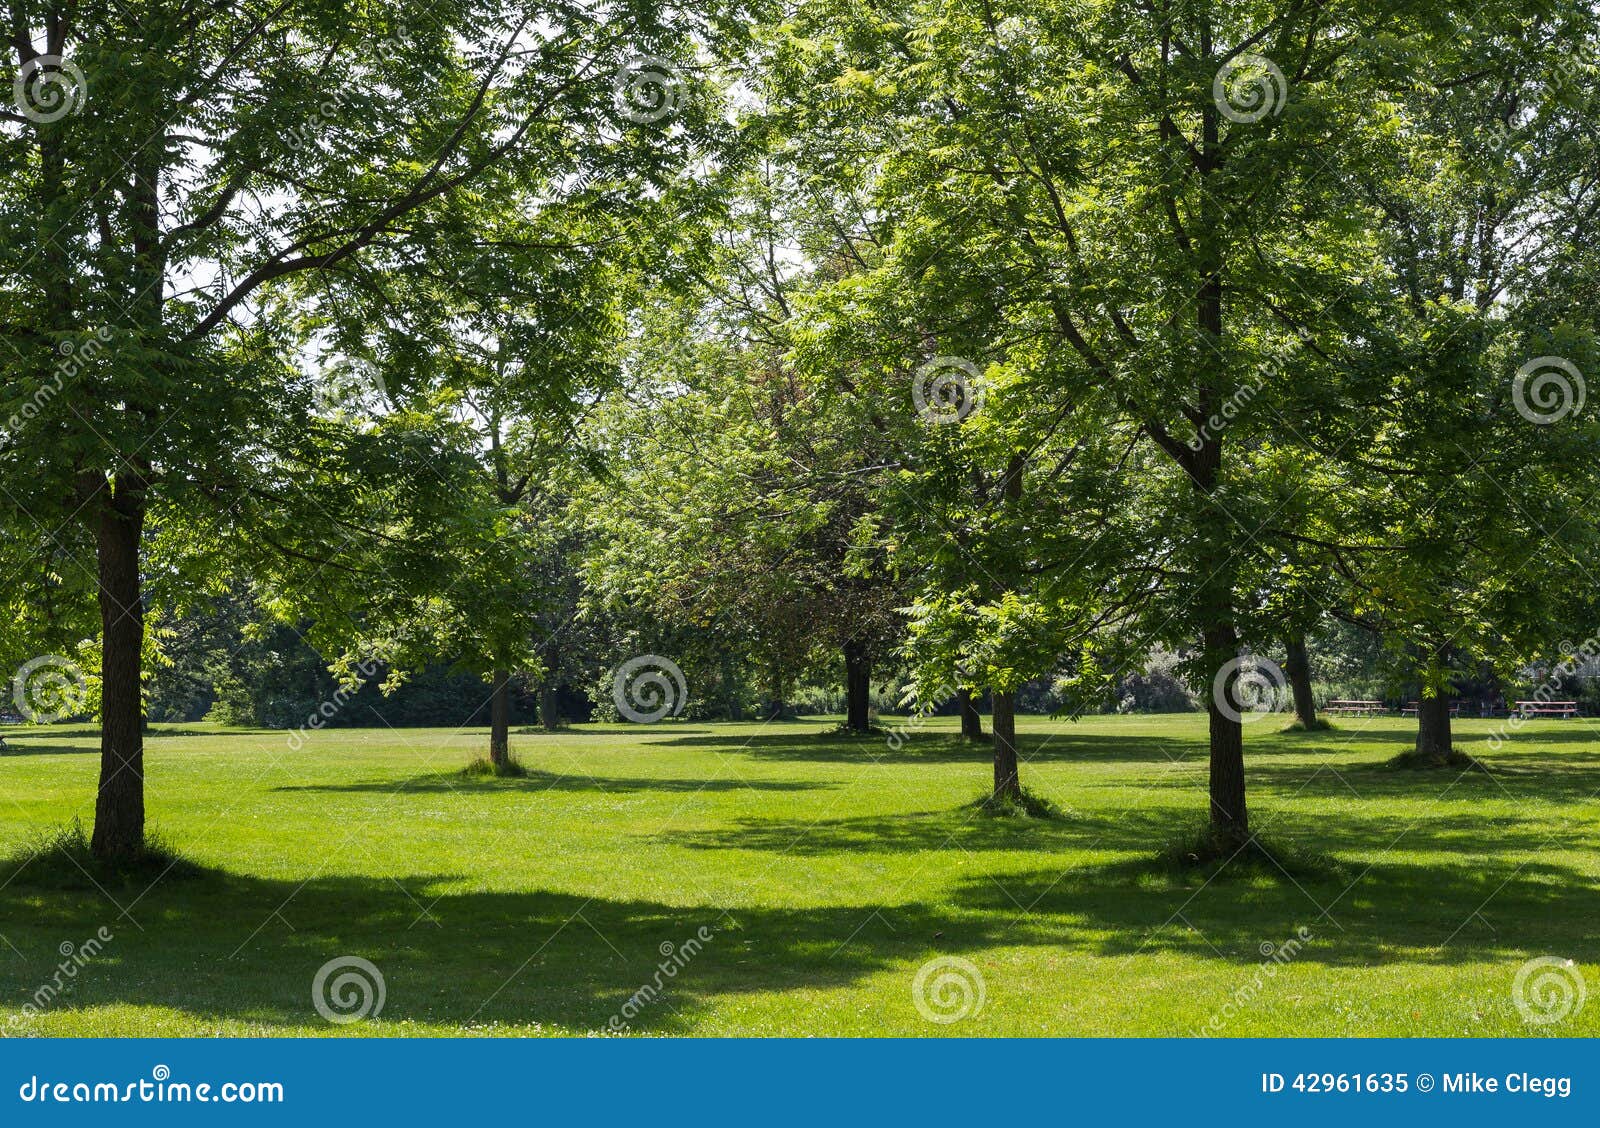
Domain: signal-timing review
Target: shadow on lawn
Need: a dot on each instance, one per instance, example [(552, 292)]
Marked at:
[(225, 946), (1563, 777), (534, 780), (78, 740), (1089, 746), (13, 748), (939, 748), (1139, 831), (1450, 828), (1372, 916)]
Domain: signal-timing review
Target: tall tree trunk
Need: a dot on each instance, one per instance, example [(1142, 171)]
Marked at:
[(776, 706), (119, 805), (550, 704), (730, 688), (121, 503), (971, 722), (1003, 719), (1297, 665), (500, 719), (1003, 706), (857, 686), (1230, 819), (1433, 727)]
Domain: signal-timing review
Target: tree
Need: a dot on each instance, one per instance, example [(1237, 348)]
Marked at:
[(521, 342), (255, 178), (732, 507), (1160, 200), (754, 502), (1461, 442)]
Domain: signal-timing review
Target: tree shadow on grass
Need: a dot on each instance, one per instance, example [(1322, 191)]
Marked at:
[(535, 780), (160, 733), (916, 832), (1470, 732), (1067, 745), (15, 747), (1558, 778), (1385, 913), (227, 946), (612, 730), (940, 748), (1143, 830)]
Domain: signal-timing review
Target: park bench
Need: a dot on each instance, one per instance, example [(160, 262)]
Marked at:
[(1411, 709), (1368, 707), (1547, 708)]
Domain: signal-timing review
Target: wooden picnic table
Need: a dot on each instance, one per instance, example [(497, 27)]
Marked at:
[(1354, 706), (1547, 708), (1411, 709)]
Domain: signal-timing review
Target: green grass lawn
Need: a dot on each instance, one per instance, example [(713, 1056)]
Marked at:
[(826, 873)]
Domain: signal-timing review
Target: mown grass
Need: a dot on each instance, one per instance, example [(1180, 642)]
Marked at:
[(826, 871)]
